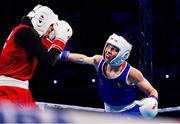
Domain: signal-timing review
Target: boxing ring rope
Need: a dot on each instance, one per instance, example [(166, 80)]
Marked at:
[(79, 114), (169, 109), (60, 113), (44, 105)]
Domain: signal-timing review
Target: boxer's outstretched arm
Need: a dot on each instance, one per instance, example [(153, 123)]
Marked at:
[(80, 58)]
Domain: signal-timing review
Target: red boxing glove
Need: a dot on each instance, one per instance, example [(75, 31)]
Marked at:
[(58, 44), (47, 42)]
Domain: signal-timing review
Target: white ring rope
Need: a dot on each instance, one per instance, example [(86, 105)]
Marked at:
[(72, 115), (43, 105), (169, 109)]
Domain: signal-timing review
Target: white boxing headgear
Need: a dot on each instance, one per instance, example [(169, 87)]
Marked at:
[(123, 46), (41, 18), (149, 108)]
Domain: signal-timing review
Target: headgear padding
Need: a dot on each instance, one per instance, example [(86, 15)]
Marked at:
[(149, 108), (41, 18), (122, 45)]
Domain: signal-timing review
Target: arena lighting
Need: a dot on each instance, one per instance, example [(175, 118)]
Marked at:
[(55, 81), (167, 76), (93, 80)]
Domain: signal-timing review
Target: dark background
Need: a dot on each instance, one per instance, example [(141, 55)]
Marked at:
[(92, 22)]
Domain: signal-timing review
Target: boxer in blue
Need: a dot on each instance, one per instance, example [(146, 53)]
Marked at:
[(117, 79)]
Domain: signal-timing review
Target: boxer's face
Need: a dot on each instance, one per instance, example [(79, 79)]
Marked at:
[(110, 52), (50, 29)]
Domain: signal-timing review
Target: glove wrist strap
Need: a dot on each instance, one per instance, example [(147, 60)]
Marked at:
[(64, 55), (152, 96)]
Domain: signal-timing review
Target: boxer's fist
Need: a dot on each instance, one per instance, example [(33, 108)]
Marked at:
[(148, 107), (62, 33)]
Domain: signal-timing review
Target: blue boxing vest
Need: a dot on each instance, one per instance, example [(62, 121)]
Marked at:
[(115, 91)]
